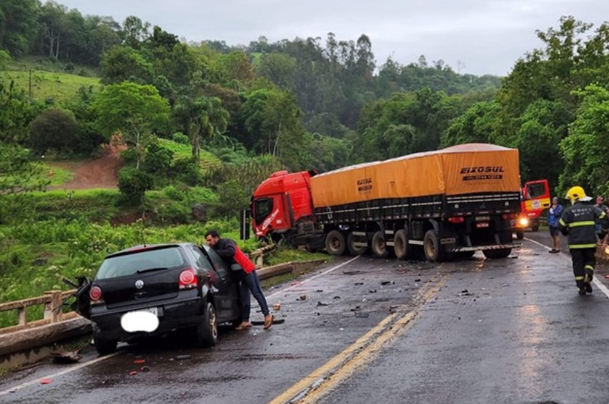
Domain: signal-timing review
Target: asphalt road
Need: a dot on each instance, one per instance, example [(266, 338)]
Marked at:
[(366, 330)]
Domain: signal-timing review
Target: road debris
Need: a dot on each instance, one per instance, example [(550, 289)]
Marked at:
[(465, 292), (336, 297), (145, 369), (372, 291), (66, 356), (45, 381), (321, 304), (139, 361), (181, 357), (359, 283), (388, 283), (360, 314), (133, 373), (277, 306), (302, 297)]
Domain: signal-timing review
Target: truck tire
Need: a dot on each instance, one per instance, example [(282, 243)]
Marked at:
[(335, 243), (379, 245), (432, 248), (494, 254), (519, 235), (400, 244), (354, 250), (207, 330)]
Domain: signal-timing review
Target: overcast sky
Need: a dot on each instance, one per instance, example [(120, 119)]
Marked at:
[(480, 36)]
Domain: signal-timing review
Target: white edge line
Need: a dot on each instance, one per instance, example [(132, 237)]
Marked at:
[(313, 277), (598, 283), (72, 369)]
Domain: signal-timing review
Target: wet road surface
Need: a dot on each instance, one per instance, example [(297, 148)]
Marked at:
[(474, 331)]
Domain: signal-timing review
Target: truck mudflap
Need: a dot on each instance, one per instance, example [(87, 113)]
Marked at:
[(485, 247)]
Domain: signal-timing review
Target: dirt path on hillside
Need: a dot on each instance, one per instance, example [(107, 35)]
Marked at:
[(94, 173)]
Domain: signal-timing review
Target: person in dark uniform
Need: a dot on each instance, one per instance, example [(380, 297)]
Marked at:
[(578, 222)]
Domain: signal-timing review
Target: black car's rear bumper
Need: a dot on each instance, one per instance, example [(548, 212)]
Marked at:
[(183, 313)]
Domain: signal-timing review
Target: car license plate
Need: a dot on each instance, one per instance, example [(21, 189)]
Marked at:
[(482, 224)]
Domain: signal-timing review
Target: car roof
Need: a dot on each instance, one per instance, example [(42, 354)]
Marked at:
[(148, 247)]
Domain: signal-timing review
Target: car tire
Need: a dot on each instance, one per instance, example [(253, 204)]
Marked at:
[(207, 330), (105, 346)]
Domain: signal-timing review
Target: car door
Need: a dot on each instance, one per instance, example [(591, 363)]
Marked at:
[(231, 282), (220, 284)]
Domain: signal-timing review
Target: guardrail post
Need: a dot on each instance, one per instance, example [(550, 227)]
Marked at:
[(22, 317), (52, 310)]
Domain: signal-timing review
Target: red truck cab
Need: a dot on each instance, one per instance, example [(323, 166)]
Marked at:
[(535, 198), (281, 202)]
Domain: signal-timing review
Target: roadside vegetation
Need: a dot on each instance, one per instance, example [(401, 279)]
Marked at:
[(201, 124)]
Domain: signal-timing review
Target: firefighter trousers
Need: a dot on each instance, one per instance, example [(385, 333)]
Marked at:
[(583, 263)]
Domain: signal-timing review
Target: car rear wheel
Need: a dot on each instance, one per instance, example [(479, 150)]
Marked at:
[(105, 346), (207, 330)]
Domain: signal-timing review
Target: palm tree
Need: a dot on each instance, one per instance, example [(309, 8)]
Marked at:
[(199, 118)]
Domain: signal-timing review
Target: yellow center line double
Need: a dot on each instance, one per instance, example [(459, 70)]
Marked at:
[(312, 387)]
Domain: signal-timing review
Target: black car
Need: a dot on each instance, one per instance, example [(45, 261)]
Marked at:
[(170, 286)]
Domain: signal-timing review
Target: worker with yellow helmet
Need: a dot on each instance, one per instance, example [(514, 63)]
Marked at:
[(578, 222)]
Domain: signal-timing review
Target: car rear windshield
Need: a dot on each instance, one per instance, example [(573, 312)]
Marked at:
[(124, 265)]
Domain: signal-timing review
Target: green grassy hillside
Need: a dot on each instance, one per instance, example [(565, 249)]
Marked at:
[(49, 80)]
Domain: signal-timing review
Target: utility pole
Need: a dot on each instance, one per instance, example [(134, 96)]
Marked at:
[(30, 84)]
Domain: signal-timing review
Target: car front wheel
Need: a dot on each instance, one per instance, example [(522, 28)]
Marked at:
[(207, 330)]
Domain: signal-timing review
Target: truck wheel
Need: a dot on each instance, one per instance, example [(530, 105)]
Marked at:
[(494, 254), (104, 346), (207, 330), (535, 226), (354, 250), (379, 245), (335, 243), (519, 235), (431, 247), (400, 244)]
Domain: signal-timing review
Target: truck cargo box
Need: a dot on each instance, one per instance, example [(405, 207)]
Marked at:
[(459, 170)]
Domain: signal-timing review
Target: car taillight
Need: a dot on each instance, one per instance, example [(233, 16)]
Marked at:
[(456, 219), (95, 294), (188, 279)]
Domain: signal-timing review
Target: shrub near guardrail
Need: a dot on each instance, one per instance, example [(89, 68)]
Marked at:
[(37, 255)]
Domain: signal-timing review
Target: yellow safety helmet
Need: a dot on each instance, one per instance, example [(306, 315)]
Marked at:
[(577, 193)]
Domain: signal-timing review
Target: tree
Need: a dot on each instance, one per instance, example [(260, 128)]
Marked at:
[(17, 25), (584, 150), (123, 63), (17, 173), (134, 111), (200, 118), (53, 129)]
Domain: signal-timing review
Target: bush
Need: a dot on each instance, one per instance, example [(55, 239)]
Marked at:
[(53, 129), (173, 213), (173, 193), (157, 160), (87, 138), (187, 170), (181, 138), (133, 185)]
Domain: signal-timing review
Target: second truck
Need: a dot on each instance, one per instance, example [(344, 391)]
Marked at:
[(442, 204)]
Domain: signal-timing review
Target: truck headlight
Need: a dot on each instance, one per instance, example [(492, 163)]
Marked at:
[(523, 221)]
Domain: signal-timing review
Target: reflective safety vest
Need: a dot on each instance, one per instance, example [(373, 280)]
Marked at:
[(578, 221)]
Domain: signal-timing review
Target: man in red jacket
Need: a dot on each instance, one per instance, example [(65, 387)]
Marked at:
[(249, 280)]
